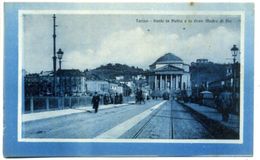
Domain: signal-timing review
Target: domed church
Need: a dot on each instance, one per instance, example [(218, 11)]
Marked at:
[(169, 74)]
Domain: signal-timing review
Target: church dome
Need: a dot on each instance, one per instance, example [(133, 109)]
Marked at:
[(168, 57)]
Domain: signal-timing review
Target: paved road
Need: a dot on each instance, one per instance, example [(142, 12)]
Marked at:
[(83, 125), (171, 121), (153, 120)]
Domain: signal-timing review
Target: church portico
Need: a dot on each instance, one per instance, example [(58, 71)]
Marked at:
[(167, 82), (169, 74)]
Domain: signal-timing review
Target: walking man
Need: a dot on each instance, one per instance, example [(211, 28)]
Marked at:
[(95, 102), (225, 98)]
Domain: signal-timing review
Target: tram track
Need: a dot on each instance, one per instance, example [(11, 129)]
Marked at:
[(140, 131), (155, 114), (172, 121)]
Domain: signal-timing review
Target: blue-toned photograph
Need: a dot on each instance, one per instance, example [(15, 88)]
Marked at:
[(124, 76), (128, 79)]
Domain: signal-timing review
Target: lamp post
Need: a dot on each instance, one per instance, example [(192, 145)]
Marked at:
[(234, 52), (60, 54), (54, 54)]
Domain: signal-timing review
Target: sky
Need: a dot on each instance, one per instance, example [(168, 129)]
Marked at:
[(89, 41)]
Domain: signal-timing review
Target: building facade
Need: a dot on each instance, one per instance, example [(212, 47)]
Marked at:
[(39, 84), (99, 86), (169, 74), (105, 87), (116, 88), (70, 82)]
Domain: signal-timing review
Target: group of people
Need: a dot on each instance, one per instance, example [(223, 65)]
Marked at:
[(139, 96), (223, 101), (107, 99), (113, 99)]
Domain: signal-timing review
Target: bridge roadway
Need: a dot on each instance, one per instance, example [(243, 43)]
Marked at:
[(156, 119)]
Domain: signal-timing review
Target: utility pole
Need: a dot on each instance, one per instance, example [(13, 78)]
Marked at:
[(54, 54)]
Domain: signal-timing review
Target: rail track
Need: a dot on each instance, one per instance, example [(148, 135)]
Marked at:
[(146, 123), (210, 128), (155, 114)]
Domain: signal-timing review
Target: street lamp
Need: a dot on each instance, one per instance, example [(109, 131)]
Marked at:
[(234, 52), (60, 54)]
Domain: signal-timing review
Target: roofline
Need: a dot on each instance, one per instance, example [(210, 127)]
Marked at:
[(167, 62)]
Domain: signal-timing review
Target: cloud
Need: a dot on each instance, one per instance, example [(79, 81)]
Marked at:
[(88, 44), (134, 47), (214, 45), (141, 48)]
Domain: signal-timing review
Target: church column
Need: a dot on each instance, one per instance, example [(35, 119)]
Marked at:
[(181, 87), (174, 82), (177, 82), (163, 81), (166, 82), (171, 82), (155, 82), (160, 82)]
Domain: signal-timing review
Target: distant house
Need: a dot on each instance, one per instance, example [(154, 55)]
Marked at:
[(70, 82), (138, 77), (119, 78), (130, 84), (104, 87), (31, 85), (202, 60), (46, 83), (38, 84), (116, 88), (99, 86)]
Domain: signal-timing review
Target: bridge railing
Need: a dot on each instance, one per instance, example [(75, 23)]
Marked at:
[(37, 104)]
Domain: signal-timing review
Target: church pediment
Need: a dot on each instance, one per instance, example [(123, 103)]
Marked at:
[(168, 68)]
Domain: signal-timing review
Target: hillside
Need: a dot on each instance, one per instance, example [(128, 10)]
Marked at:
[(110, 71), (208, 72)]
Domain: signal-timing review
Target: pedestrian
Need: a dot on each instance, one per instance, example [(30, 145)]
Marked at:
[(106, 99), (95, 102), (120, 98), (111, 99), (116, 99), (137, 96), (225, 100)]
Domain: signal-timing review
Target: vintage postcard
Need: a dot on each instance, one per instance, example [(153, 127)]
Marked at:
[(128, 79)]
